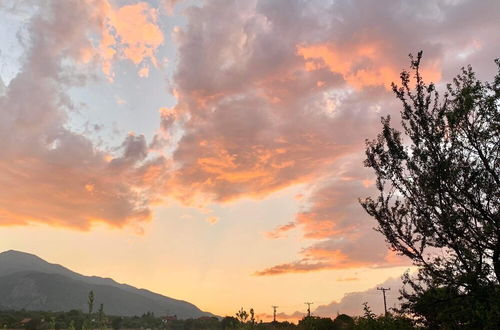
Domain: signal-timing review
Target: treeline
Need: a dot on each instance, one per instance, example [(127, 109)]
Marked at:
[(75, 320), (78, 320)]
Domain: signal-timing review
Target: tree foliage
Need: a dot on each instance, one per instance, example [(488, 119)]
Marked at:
[(438, 184)]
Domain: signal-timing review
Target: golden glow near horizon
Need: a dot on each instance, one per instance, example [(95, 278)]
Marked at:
[(212, 151)]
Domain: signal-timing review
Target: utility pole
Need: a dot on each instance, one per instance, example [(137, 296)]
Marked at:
[(308, 308), (274, 313), (385, 302)]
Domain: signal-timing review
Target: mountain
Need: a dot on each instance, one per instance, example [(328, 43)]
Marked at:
[(29, 282)]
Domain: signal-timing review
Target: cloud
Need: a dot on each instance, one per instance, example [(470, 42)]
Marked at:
[(270, 94), (170, 5), (212, 220), (261, 112), (280, 317), (129, 32), (343, 231), (352, 303), (255, 120), (348, 279), (56, 176), (281, 231), (365, 65), (136, 31)]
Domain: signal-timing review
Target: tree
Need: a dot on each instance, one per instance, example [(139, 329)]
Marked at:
[(242, 315), (343, 322), (101, 317), (229, 322), (316, 323), (90, 304), (439, 185), (252, 317)]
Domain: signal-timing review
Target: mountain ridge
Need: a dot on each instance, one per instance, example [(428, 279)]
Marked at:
[(27, 281)]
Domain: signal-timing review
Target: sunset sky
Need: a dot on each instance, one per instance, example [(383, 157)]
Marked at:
[(212, 151)]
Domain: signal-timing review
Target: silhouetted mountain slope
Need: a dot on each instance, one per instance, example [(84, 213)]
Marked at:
[(27, 281)]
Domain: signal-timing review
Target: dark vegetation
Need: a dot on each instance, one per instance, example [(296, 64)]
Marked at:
[(439, 198), (79, 320)]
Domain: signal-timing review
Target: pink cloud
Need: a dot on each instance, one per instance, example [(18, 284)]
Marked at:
[(344, 233), (56, 176), (270, 95), (280, 231), (129, 32)]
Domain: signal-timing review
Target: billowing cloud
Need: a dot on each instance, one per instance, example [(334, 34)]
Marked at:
[(130, 32), (276, 93), (343, 231), (365, 65), (256, 119), (273, 93), (352, 303), (49, 173), (270, 94)]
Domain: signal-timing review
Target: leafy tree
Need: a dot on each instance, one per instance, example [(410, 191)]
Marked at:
[(316, 323), (439, 188), (90, 302), (89, 323), (229, 322), (343, 322), (252, 317), (242, 315)]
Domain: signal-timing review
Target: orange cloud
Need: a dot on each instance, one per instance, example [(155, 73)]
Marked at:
[(348, 279), (328, 260), (281, 230), (212, 220), (136, 27), (256, 114), (56, 176), (129, 32), (360, 65), (344, 233)]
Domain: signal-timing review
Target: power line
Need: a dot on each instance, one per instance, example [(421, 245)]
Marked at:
[(385, 302), (274, 313), (308, 308)]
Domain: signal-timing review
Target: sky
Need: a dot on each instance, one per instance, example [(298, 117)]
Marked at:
[(212, 151)]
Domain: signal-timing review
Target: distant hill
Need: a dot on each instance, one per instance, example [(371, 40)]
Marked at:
[(29, 282)]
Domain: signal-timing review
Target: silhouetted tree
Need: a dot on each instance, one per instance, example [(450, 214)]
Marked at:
[(316, 323), (229, 322), (343, 322), (90, 304), (242, 315), (439, 186), (252, 317), (100, 317)]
